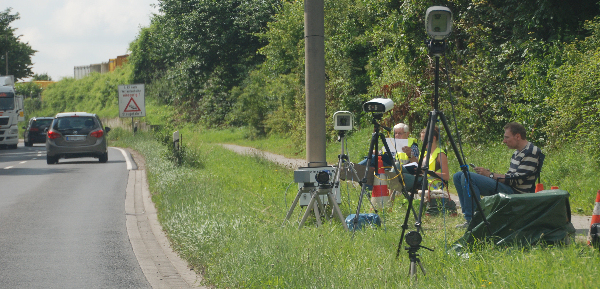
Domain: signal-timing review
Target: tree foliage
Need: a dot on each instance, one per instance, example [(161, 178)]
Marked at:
[(203, 48), (17, 53), (242, 63)]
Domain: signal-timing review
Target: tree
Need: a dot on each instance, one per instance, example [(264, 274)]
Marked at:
[(42, 77), (12, 49)]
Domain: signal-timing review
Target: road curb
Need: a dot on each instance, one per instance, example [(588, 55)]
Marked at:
[(160, 264)]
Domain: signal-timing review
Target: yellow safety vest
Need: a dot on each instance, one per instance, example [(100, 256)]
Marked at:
[(400, 155), (432, 160)]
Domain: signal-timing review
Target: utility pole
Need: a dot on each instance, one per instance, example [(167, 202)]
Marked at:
[(6, 57), (314, 36)]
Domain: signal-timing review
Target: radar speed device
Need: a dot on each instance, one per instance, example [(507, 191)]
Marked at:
[(378, 105), (343, 120), (438, 22)]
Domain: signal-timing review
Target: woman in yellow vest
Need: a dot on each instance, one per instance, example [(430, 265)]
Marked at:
[(410, 153), (438, 163)]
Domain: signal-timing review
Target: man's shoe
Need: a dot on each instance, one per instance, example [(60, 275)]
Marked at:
[(463, 225)]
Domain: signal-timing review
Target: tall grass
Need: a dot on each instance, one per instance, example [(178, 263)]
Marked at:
[(224, 214)]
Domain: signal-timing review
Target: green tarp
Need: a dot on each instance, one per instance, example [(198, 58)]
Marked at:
[(521, 219)]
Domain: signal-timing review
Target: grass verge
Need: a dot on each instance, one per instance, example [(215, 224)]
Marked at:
[(224, 213)]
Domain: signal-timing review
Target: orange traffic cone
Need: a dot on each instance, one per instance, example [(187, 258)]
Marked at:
[(539, 187), (595, 215), (380, 196)]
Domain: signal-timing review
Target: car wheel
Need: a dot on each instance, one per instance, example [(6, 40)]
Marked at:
[(51, 160), (103, 158), (12, 146), (28, 144)]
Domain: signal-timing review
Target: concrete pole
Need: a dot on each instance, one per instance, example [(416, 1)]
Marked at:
[(314, 35)]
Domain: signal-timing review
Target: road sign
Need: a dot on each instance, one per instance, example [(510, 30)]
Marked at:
[(132, 100)]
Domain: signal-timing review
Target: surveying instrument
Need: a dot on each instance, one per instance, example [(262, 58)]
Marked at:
[(438, 24), (314, 184)]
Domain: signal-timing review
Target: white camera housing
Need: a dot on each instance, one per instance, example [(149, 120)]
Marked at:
[(438, 22), (378, 105), (343, 120)]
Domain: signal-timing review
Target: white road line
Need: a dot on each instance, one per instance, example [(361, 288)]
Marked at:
[(129, 167), (23, 162), (6, 168)]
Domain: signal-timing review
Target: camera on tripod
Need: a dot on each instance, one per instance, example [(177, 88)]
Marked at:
[(343, 120), (378, 105), (438, 22)]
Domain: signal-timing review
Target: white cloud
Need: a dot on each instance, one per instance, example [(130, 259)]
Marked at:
[(68, 33)]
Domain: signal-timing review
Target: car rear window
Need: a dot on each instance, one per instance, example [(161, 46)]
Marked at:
[(41, 123), (75, 124)]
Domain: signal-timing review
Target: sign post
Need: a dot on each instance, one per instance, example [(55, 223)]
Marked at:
[(132, 102)]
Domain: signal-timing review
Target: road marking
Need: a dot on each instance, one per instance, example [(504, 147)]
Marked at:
[(34, 158), (6, 168), (23, 162), (129, 166)]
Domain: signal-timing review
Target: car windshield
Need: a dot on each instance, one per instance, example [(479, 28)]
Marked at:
[(41, 123), (75, 125)]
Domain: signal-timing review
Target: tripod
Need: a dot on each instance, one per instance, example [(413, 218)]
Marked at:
[(324, 189), (373, 147), (436, 48), (344, 166)]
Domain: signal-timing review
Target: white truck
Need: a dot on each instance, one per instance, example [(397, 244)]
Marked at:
[(11, 112)]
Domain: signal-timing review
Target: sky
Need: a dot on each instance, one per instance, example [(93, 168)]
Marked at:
[(69, 33)]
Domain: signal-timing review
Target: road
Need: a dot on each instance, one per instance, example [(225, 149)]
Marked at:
[(63, 225)]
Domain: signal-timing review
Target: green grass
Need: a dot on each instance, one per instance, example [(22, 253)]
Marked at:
[(224, 213)]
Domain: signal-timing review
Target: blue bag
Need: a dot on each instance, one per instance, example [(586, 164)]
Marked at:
[(363, 219)]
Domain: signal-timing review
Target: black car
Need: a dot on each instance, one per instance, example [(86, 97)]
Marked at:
[(35, 132)]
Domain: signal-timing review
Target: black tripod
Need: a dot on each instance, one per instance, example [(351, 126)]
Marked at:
[(436, 48), (373, 147)]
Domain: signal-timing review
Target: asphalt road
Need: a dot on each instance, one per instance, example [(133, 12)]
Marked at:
[(63, 225)]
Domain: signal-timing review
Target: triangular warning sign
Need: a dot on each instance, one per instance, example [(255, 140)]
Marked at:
[(132, 106)]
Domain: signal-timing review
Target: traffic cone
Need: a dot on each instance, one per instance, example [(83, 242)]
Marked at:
[(539, 187), (380, 196), (595, 216)]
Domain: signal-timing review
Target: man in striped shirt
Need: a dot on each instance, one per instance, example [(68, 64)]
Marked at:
[(519, 179)]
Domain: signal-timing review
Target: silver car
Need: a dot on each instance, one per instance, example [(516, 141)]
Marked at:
[(76, 135)]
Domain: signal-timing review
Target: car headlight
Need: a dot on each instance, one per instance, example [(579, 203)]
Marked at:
[(14, 131)]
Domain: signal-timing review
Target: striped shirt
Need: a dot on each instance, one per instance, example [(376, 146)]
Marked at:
[(523, 167)]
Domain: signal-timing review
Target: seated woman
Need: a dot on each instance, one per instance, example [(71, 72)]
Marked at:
[(438, 164)]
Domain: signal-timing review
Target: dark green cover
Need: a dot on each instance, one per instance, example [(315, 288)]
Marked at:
[(521, 219)]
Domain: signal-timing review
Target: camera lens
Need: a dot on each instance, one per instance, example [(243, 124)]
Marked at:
[(322, 177)]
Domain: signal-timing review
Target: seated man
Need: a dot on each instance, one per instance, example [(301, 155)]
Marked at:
[(519, 179)]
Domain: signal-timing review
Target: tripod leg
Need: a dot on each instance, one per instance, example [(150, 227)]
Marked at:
[(321, 206), (421, 265), (400, 177), (337, 210), (289, 213), (429, 136), (465, 172), (311, 204), (316, 210), (412, 271)]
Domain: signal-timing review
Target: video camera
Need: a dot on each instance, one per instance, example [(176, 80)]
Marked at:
[(378, 105)]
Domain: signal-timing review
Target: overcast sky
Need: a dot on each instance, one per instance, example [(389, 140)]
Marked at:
[(69, 33)]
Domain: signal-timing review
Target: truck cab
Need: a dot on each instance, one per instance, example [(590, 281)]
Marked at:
[(11, 112)]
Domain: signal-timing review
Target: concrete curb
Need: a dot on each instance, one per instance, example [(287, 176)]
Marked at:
[(160, 264)]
